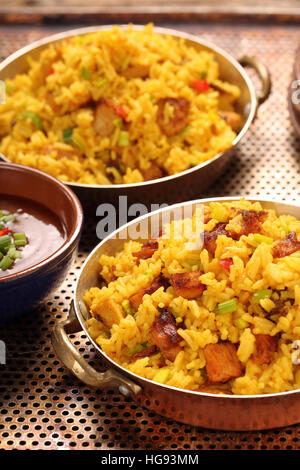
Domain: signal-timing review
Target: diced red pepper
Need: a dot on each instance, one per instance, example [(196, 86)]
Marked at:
[(4, 231), (200, 85), (51, 71), (121, 112), (226, 263)]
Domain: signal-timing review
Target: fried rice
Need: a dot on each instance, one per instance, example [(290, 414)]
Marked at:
[(224, 318), (118, 106)]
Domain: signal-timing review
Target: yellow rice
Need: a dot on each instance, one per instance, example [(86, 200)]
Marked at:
[(254, 268), (79, 72)]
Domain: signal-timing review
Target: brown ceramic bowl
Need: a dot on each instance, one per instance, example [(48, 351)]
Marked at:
[(24, 290)]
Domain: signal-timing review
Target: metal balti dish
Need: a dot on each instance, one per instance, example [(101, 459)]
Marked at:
[(189, 183), (227, 412)]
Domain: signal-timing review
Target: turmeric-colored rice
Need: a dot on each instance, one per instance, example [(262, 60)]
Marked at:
[(253, 270), (48, 120)]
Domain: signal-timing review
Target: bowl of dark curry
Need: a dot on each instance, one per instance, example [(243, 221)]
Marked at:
[(40, 226)]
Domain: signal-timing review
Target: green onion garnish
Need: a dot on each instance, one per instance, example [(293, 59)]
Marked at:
[(261, 294), (227, 307), (192, 164), (7, 218), (127, 308), (77, 142), (240, 323), (34, 118), (101, 83), (20, 239), (262, 238), (124, 139), (67, 135), (185, 130), (86, 73), (5, 263), (14, 253), (5, 241)]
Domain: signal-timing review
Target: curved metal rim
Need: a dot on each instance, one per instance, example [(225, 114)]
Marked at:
[(158, 30), (140, 378)]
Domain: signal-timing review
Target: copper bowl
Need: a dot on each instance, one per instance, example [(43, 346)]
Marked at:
[(189, 183), (226, 412)]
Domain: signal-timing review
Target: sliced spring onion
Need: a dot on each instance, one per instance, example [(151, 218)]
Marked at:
[(192, 164), (262, 238), (118, 122), (77, 142), (34, 118), (123, 139), (100, 83), (5, 241), (127, 308), (7, 218), (86, 73), (6, 262), (162, 375), (14, 253), (9, 89), (219, 213), (20, 239), (67, 135), (185, 130), (240, 323), (227, 307), (261, 294)]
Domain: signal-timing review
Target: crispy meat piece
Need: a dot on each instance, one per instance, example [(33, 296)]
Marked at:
[(252, 221), (146, 352), (210, 238), (105, 115), (222, 362), (187, 285), (136, 71), (164, 334), (287, 246), (136, 299), (180, 119), (234, 120), (266, 346), (152, 173), (109, 312), (147, 250)]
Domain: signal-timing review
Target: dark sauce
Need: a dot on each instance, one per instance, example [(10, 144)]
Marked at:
[(44, 232)]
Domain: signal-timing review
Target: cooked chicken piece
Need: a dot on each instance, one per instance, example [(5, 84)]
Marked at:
[(234, 120), (287, 246), (222, 362), (252, 221), (147, 250), (152, 173), (266, 346), (109, 312), (136, 71), (188, 285), (105, 116), (179, 120), (164, 334), (145, 353), (210, 238), (136, 299)]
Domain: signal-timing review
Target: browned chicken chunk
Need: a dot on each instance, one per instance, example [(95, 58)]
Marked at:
[(287, 246), (222, 362), (164, 334), (136, 71), (179, 120), (109, 312), (210, 238), (147, 250), (145, 353), (252, 221), (266, 346), (105, 116), (233, 119), (152, 173), (136, 299), (188, 285)]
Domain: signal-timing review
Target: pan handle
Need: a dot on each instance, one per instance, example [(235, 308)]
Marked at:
[(263, 73), (72, 359)]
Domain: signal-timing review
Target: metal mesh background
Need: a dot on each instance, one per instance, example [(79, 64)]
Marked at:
[(41, 405)]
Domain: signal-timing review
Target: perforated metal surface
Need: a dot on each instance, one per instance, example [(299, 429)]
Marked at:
[(41, 405)]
